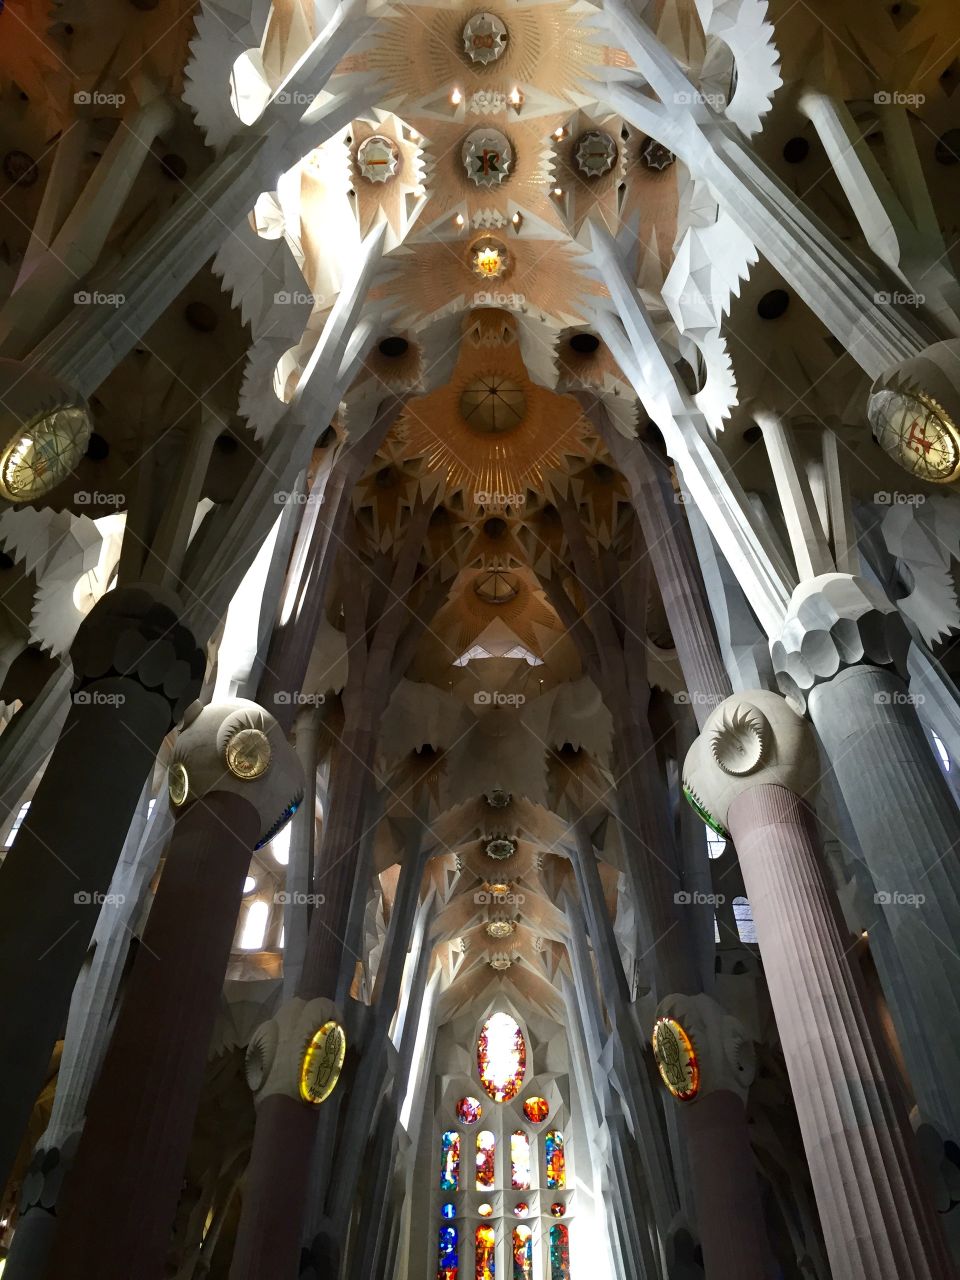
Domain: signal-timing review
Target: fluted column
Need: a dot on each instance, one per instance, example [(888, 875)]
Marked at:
[(136, 669), (744, 773), (840, 656), (235, 780)]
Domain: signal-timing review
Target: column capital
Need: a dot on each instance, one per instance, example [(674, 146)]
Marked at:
[(238, 748), (724, 1054), (298, 1053), (752, 739), (835, 621), (136, 632)]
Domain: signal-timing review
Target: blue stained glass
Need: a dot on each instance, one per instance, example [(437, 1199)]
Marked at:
[(448, 1267), (449, 1210)]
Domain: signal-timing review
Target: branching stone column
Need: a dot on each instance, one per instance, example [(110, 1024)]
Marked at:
[(136, 668), (746, 773), (235, 781), (841, 654)]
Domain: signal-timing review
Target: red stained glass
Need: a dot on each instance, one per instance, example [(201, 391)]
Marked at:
[(522, 1253), (486, 1268), (556, 1160), (559, 1252), (469, 1110), (450, 1161), (536, 1110), (521, 1209)]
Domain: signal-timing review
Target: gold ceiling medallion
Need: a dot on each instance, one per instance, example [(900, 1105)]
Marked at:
[(493, 404), (248, 754), (500, 848), (487, 157), (595, 153), (917, 433), (178, 784), (500, 928), (484, 38), (378, 159), (500, 961), (44, 451), (322, 1063), (676, 1059), (489, 259)]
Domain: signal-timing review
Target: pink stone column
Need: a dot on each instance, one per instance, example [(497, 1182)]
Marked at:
[(878, 1221), (723, 1170)]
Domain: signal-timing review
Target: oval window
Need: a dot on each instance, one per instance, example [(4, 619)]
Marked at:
[(501, 1057)]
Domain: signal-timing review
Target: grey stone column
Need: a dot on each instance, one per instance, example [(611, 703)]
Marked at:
[(303, 827), (840, 655), (136, 669), (744, 772)]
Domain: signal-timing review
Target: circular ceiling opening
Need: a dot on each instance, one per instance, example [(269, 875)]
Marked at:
[(493, 404), (773, 304), (393, 347), (494, 528), (97, 447), (796, 150), (752, 434), (495, 586), (584, 343)]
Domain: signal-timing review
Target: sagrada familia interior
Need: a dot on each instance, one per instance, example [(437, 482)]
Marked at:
[(479, 618)]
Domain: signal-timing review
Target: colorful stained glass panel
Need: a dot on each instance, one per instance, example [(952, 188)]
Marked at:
[(448, 1268), (501, 1057), (556, 1160), (536, 1110), (520, 1161), (448, 1210), (485, 1210), (558, 1209), (486, 1268), (450, 1161), (559, 1252), (522, 1253), (486, 1159), (521, 1209), (469, 1110)]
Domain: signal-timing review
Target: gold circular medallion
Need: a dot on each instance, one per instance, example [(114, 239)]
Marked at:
[(178, 784), (676, 1059), (918, 433), (43, 453), (322, 1063), (248, 754)]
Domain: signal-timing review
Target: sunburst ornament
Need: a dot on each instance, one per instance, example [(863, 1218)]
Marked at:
[(487, 157), (676, 1059), (44, 452), (917, 432), (595, 153), (178, 784), (741, 741), (378, 159), (247, 754), (489, 259), (500, 848), (484, 38), (500, 928)]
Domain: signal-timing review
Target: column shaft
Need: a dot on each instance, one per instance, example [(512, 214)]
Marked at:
[(142, 1110), (877, 1220)]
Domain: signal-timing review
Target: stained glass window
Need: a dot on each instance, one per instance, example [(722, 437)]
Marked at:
[(520, 1161), (486, 1268), (558, 1208), (450, 1161), (486, 1159), (521, 1209), (522, 1253), (536, 1110), (559, 1252), (448, 1268), (556, 1160), (448, 1210), (501, 1057), (485, 1210), (469, 1110)]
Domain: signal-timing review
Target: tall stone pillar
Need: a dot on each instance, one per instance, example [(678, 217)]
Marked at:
[(136, 669), (234, 781), (840, 656), (730, 1219), (746, 773)]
